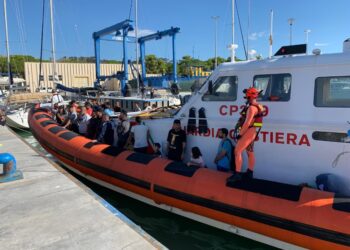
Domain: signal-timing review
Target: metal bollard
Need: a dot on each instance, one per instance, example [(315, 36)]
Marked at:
[(10, 173)]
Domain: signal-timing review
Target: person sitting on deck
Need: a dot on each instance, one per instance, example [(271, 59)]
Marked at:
[(73, 103), (223, 156), (61, 115), (140, 134), (156, 149), (196, 158), (107, 109), (83, 120), (176, 142), (89, 109), (54, 110), (123, 129), (117, 108), (94, 104), (71, 121), (106, 131), (94, 123)]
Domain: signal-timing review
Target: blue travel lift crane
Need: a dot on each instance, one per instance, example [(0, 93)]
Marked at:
[(122, 29), (157, 36)]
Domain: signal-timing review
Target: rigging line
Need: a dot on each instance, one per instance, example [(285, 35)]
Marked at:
[(21, 12), (14, 65), (227, 24), (240, 28), (20, 20), (130, 8), (41, 44), (20, 28), (58, 25)]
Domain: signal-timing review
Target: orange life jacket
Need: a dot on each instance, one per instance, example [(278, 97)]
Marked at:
[(258, 118)]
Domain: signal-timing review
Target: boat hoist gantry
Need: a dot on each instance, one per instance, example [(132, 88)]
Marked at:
[(120, 31)]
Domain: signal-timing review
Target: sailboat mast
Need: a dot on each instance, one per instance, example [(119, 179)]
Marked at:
[(271, 34), (233, 46), (53, 52), (137, 48), (7, 48)]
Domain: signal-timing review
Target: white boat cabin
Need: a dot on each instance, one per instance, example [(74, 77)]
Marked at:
[(305, 131)]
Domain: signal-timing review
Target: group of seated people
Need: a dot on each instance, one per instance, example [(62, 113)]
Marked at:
[(176, 142), (101, 124), (94, 121)]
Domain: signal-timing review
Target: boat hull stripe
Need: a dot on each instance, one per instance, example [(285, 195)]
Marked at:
[(289, 225), (115, 174)]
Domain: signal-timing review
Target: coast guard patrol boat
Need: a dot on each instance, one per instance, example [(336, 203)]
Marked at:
[(305, 134), (308, 103)]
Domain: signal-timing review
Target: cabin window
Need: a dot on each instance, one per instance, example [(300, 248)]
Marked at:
[(275, 88), (332, 91), (224, 89)]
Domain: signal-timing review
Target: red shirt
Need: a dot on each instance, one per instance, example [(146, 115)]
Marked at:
[(89, 111)]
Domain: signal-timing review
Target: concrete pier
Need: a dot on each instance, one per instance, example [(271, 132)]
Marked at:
[(48, 209)]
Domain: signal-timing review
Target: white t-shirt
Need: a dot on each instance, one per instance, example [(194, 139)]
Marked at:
[(140, 135), (199, 161), (83, 122), (57, 98)]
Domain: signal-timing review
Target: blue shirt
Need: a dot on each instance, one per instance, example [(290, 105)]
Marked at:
[(225, 161), (109, 112)]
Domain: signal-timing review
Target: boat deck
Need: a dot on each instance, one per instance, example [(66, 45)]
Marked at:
[(49, 209)]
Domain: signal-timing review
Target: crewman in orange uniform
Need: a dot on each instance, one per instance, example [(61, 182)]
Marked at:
[(249, 127)]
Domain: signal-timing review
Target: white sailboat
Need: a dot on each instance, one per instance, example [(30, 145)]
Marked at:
[(17, 118)]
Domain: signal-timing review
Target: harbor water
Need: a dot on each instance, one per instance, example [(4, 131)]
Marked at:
[(173, 231)]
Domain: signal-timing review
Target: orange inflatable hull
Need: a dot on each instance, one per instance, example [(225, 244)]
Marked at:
[(299, 216)]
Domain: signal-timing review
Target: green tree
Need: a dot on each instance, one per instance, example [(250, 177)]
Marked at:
[(17, 63), (184, 66), (151, 64)]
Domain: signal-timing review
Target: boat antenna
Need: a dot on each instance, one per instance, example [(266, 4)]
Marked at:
[(53, 52), (271, 34), (137, 47), (248, 28), (7, 50), (41, 45), (130, 9), (240, 28)]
